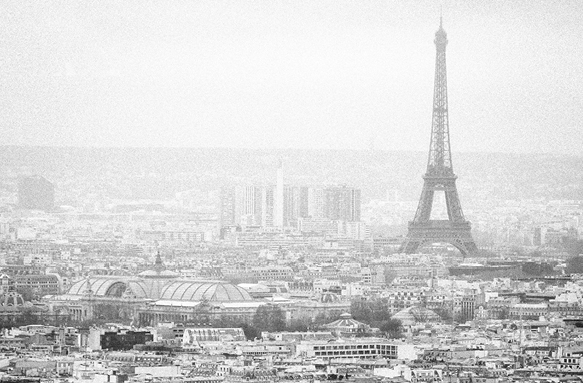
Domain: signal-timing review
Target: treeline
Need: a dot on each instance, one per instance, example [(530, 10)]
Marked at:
[(268, 318), (271, 318)]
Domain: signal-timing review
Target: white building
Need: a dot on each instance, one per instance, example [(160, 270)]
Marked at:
[(357, 348)]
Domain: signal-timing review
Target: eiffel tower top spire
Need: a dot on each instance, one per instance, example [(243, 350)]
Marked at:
[(439, 162), (440, 36)]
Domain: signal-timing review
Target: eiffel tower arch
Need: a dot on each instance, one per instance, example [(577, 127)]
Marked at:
[(439, 176)]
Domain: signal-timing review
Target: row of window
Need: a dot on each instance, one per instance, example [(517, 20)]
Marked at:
[(570, 360), (358, 347), (355, 352)]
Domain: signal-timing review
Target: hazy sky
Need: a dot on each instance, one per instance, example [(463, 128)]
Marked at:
[(290, 74)]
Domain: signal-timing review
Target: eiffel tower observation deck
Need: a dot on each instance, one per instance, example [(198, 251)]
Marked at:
[(439, 176)]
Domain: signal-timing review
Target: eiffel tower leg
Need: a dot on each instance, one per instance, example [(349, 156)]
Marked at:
[(454, 209), (466, 246), (461, 246), (470, 246), (410, 246)]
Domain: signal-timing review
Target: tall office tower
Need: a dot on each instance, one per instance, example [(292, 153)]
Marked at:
[(37, 193), (342, 203), (227, 213), (439, 177), (278, 199), (304, 208), (257, 206), (246, 205), (267, 206), (248, 201), (316, 202), (311, 202), (291, 205)]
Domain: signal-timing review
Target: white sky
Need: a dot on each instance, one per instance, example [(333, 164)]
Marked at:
[(290, 74)]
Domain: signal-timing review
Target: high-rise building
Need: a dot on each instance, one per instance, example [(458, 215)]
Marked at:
[(248, 203), (304, 208), (291, 205), (316, 202), (302, 202), (258, 205), (342, 203), (267, 206), (37, 193), (278, 199), (247, 206), (227, 213)]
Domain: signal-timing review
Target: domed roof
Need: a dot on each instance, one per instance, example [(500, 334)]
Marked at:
[(346, 322), (199, 291)]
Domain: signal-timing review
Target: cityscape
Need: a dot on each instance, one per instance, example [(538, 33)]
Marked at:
[(145, 263)]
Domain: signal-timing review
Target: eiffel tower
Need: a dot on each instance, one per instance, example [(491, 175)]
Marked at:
[(455, 230)]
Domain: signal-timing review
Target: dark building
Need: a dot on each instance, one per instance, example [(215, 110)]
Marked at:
[(291, 205), (268, 206), (342, 203), (124, 340), (36, 193), (227, 214), (304, 202), (537, 239)]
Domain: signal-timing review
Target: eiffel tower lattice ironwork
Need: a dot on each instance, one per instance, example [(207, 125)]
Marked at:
[(455, 230)]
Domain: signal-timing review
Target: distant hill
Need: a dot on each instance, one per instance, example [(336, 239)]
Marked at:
[(161, 172)]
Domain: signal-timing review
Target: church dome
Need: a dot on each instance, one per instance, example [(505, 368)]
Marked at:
[(199, 291)]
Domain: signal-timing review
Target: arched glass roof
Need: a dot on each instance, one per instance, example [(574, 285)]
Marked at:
[(113, 287), (198, 291), (161, 289)]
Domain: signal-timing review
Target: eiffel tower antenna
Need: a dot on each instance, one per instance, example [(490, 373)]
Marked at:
[(439, 176)]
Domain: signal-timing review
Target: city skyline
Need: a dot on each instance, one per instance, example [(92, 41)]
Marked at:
[(314, 75), (227, 191)]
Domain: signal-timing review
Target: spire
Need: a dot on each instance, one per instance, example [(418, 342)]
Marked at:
[(439, 150), (440, 36), (159, 265), (278, 216)]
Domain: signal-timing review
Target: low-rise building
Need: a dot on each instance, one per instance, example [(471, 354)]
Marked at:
[(356, 348)]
